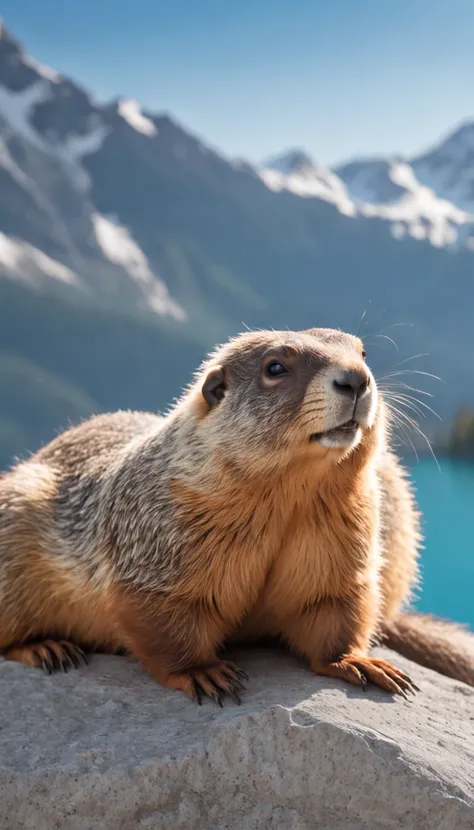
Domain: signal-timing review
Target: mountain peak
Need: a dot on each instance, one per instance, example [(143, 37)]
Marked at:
[(291, 162), (8, 42), (17, 68), (448, 167), (4, 34), (296, 171), (460, 139)]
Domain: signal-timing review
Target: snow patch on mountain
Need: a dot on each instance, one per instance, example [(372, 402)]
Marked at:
[(419, 212), (119, 247), (316, 182), (75, 148), (17, 107), (376, 188), (23, 261), (46, 72), (131, 112)]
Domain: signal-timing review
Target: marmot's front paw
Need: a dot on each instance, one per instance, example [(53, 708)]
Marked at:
[(49, 655), (212, 681), (360, 671)]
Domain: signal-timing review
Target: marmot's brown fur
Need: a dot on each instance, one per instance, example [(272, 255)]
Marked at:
[(266, 503)]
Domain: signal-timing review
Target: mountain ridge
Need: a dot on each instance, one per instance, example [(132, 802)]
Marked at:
[(420, 197), (151, 246), (439, 167)]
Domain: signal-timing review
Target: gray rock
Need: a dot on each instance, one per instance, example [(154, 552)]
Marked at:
[(105, 747)]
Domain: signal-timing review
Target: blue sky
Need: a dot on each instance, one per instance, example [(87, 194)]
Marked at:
[(339, 78)]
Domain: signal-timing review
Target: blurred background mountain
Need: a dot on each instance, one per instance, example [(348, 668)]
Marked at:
[(128, 248)]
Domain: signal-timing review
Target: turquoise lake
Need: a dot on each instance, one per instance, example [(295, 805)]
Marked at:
[(446, 499)]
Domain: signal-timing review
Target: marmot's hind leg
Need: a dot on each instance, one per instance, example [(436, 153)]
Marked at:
[(49, 655)]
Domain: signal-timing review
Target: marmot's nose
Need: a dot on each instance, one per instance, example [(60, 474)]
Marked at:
[(352, 383)]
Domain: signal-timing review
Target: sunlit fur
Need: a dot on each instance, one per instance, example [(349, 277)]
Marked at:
[(169, 536)]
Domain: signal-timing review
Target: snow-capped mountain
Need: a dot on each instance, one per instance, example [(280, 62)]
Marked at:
[(292, 163), (295, 171), (128, 247), (71, 209), (448, 168), (413, 198), (51, 230), (369, 180)]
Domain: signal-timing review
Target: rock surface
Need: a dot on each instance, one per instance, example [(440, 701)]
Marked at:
[(105, 747)]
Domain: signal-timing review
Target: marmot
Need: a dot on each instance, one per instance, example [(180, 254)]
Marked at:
[(267, 503)]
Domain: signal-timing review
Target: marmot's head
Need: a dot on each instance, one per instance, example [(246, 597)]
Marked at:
[(288, 392)]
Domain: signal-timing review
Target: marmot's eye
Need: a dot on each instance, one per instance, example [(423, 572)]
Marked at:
[(275, 368), (364, 353)]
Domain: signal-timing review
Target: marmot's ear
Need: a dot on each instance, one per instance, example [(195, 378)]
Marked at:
[(214, 387)]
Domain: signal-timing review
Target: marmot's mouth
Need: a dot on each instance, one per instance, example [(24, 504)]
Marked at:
[(345, 431)]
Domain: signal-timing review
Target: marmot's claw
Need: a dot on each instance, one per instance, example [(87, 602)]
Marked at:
[(361, 670), (213, 681), (47, 665), (77, 655), (216, 696), (59, 656), (235, 696), (412, 686), (197, 693), (49, 655), (243, 674)]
